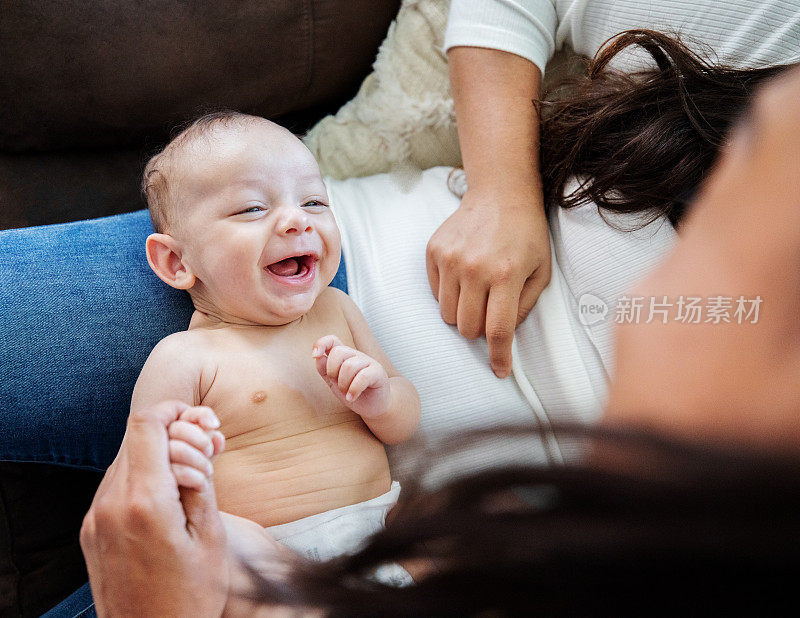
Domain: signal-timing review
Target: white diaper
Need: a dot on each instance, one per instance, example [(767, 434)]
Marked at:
[(343, 531)]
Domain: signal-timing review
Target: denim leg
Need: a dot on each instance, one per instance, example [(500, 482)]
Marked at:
[(80, 310), (340, 278), (79, 603)]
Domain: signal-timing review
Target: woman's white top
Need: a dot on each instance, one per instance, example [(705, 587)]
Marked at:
[(562, 363), (742, 33), (563, 352)]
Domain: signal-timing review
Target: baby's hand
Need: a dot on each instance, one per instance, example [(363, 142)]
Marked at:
[(358, 380), (193, 441)]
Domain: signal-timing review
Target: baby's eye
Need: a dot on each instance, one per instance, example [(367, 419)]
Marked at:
[(250, 209), (314, 204)]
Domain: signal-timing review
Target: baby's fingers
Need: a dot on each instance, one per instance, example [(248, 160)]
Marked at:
[(336, 358), (218, 440), (323, 345), (319, 352), (193, 435), (182, 453), (371, 376), (202, 415), (189, 477), (190, 467), (349, 369), (322, 367)]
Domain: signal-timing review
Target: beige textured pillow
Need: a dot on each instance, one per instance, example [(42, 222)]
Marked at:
[(402, 118)]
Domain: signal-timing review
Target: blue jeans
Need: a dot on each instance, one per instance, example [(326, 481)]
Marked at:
[(80, 310)]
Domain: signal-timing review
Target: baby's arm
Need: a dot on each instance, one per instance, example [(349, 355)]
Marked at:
[(173, 371), (366, 381)]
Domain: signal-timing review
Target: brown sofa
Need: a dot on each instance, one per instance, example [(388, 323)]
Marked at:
[(88, 91)]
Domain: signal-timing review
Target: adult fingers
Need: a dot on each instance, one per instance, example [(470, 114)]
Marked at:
[(449, 290), (531, 290), (141, 467), (501, 318), (202, 514), (139, 485), (140, 509), (471, 314), (145, 441), (433, 272)]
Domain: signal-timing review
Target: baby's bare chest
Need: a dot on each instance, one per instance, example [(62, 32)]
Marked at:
[(264, 386)]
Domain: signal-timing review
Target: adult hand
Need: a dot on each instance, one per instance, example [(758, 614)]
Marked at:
[(488, 263), (728, 380), (150, 548)]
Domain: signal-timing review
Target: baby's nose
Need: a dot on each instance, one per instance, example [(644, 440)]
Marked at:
[(295, 222)]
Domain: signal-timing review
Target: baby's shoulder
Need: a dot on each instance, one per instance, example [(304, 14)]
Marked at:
[(183, 344), (331, 301), (330, 312), (173, 369), (345, 305)]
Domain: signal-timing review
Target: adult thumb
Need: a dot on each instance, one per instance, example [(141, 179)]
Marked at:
[(202, 513)]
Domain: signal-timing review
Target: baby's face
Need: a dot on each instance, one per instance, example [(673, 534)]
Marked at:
[(254, 225)]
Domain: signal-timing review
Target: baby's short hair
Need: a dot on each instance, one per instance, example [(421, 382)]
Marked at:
[(155, 180)]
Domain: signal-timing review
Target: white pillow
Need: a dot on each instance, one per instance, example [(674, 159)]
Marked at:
[(402, 117)]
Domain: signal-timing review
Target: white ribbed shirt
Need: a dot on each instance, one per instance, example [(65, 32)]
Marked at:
[(742, 33), (385, 229)]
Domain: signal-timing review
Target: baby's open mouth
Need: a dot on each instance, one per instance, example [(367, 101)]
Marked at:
[(295, 266)]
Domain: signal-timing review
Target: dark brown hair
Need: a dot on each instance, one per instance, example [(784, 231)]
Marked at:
[(643, 141), (678, 529)]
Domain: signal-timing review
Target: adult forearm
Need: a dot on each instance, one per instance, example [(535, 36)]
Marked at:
[(498, 125), (489, 261)]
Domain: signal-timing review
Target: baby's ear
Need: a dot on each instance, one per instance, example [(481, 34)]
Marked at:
[(164, 257)]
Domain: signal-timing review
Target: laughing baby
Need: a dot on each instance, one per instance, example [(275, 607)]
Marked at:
[(305, 397)]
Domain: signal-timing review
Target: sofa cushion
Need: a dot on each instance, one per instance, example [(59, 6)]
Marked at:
[(9, 576), (96, 73), (91, 89), (44, 506)]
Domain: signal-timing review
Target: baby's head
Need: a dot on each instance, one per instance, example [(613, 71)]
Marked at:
[(242, 220)]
